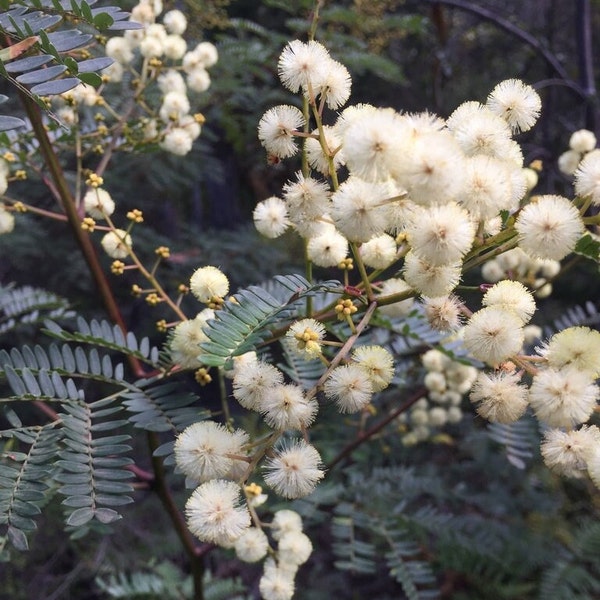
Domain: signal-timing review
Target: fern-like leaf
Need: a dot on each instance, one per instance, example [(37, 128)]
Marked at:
[(517, 439), (23, 480), (245, 321), (92, 476)]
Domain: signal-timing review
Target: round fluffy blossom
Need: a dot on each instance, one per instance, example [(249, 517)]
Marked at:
[(171, 80), (214, 512), (198, 80), (512, 296), (206, 54), (271, 217), (7, 220), (186, 338), (117, 243), (442, 234), (493, 334), (334, 85), (350, 387), (252, 545), (276, 130), (428, 170), (174, 47), (286, 407), (203, 451), (360, 209), (175, 21), (430, 280), (569, 161), (285, 521), (317, 158), (379, 252), (209, 282), (252, 381), (587, 177), (177, 141), (377, 362), (151, 46), (400, 308), (578, 347), (479, 131), (303, 63), (549, 227), (517, 103), (443, 313), (582, 141), (566, 452), (306, 336), (118, 49), (563, 397), (295, 470), (327, 249), (294, 548), (276, 583), (174, 106), (500, 396), (307, 198), (375, 137)]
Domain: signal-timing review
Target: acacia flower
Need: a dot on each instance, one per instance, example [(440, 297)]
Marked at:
[(286, 407), (360, 209), (306, 336), (184, 344), (428, 279), (295, 470), (209, 282), (578, 347), (327, 249), (215, 514), (377, 362), (7, 220), (271, 217), (276, 130), (277, 583), (443, 313), (294, 548), (566, 452), (117, 243), (400, 308), (493, 334), (563, 397), (252, 380), (549, 227), (500, 396), (517, 103), (587, 177), (379, 252), (440, 235), (317, 158), (285, 521), (334, 85), (203, 451), (350, 386), (252, 545), (303, 63), (512, 296)]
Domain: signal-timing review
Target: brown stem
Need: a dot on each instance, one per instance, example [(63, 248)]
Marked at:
[(195, 553), (361, 439)]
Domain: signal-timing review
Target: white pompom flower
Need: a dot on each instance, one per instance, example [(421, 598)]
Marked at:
[(252, 545), (285, 521), (379, 252), (517, 103), (306, 336), (428, 279), (186, 337), (378, 364), (328, 249), (215, 514), (276, 583), (205, 450), (252, 381), (276, 130), (400, 308), (587, 177), (442, 234), (117, 243), (500, 396), (566, 452), (350, 387), (295, 470), (175, 21), (7, 220), (513, 296), (98, 203), (563, 397), (549, 227), (494, 334), (209, 282), (582, 141), (294, 548), (577, 347), (286, 407), (303, 64), (270, 217)]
